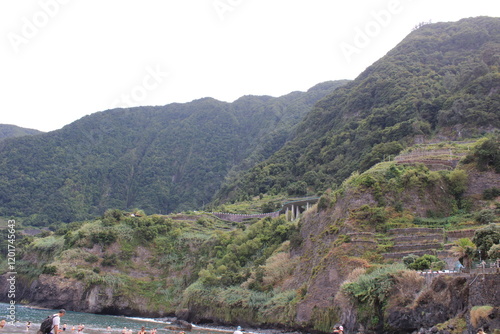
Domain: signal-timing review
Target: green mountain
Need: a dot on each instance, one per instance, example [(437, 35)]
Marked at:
[(442, 82), (354, 258), (158, 159), (9, 131)]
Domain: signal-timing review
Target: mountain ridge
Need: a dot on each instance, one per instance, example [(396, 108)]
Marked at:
[(13, 131), (441, 81), (159, 159)]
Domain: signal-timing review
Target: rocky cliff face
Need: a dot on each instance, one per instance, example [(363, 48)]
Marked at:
[(447, 298), (326, 260), (58, 292)]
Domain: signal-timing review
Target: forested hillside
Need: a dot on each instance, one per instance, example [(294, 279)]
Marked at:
[(356, 258), (9, 131), (158, 159), (441, 82)]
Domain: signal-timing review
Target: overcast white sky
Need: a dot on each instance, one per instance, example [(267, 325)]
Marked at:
[(64, 59)]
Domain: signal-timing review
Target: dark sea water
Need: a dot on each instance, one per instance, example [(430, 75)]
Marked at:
[(94, 323)]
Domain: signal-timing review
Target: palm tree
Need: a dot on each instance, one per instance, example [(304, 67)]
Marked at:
[(464, 249)]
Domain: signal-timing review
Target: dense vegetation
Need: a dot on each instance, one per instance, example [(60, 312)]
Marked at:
[(263, 272), (158, 257), (442, 81), (159, 159), (255, 272), (339, 262), (9, 131)]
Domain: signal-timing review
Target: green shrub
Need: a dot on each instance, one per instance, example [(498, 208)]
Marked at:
[(484, 238), (438, 265), (323, 203), (370, 292), (109, 260), (92, 258), (295, 239), (494, 252), (486, 216), (147, 233), (457, 181), (488, 154), (491, 193), (425, 262), (269, 207), (409, 259), (48, 244), (49, 270), (103, 237), (200, 221), (113, 214)]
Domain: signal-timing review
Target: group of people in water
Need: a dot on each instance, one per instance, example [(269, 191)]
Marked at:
[(337, 329), (80, 328)]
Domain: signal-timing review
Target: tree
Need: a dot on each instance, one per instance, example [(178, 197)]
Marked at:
[(486, 237), (488, 154), (494, 252), (464, 249), (269, 207), (457, 180), (424, 262)]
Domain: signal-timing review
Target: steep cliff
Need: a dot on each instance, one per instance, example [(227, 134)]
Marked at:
[(370, 220)]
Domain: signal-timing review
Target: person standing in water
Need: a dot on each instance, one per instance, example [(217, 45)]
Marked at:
[(56, 322)]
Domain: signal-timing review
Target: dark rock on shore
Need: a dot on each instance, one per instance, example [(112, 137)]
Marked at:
[(177, 325)]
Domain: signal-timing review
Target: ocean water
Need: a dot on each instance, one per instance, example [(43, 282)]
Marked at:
[(94, 323)]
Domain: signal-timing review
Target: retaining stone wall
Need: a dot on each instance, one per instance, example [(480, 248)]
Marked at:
[(415, 230)]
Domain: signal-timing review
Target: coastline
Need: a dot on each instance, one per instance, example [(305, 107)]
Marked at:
[(97, 323)]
